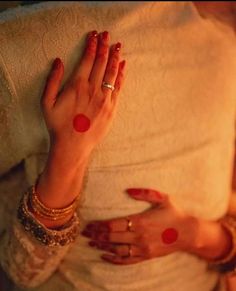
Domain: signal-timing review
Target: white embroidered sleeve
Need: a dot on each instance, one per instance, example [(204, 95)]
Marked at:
[(25, 260)]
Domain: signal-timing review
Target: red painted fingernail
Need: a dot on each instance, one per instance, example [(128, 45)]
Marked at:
[(105, 35), (118, 46), (134, 191), (122, 65), (56, 64), (94, 33), (158, 195)]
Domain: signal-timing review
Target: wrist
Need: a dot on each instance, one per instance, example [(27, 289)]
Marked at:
[(65, 160), (210, 240), (60, 183)]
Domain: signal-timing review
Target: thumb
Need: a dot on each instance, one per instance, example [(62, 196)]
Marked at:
[(53, 83), (149, 195)]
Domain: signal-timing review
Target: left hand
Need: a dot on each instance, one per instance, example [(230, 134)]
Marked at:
[(158, 231)]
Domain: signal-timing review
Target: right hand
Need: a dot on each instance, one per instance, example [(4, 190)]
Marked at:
[(83, 93)]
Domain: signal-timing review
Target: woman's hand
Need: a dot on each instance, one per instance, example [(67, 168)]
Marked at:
[(158, 231), (79, 116)]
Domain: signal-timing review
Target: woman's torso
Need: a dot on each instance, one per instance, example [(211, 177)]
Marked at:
[(174, 132)]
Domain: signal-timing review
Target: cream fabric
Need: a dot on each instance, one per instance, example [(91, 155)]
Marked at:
[(174, 130)]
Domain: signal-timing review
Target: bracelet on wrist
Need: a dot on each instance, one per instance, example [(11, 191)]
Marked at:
[(49, 237)]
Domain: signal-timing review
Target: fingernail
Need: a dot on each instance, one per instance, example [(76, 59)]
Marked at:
[(118, 46), (56, 64), (105, 35), (94, 33), (134, 191), (122, 65)]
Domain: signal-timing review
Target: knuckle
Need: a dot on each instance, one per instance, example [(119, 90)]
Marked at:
[(100, 103), (115, 58), (139, 222)]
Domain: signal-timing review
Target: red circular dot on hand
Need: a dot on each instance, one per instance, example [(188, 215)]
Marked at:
[(81, 123), (169, 235)]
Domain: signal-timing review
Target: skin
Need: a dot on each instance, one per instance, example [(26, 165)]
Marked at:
[(81, 123), (169, 235), (83, 93), (206, 239)]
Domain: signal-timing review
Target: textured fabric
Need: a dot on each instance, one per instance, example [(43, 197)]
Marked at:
[(174, 130)]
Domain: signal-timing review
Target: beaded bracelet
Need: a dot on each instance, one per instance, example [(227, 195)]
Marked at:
[(46, 236)]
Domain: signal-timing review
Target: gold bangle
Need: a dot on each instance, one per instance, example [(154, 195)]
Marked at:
[(46, 209), (48, 215), (46, 236)]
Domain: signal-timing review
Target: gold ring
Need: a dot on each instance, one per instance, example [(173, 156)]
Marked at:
[(109, 86), (129, 225), (130, 250)]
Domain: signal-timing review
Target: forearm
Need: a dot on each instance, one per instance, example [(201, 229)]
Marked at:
[(60, 183)]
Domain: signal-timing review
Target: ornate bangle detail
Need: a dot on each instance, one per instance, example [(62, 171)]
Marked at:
[(49, 213), (228, 263), (49, 237)]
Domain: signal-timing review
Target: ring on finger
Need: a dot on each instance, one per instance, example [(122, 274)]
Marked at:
[(107, 85)]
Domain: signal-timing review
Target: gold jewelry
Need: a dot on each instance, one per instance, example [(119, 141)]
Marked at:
[(66, 209), (130, 252), (50, 237), (129, 225), (54, 218), (50, 213)]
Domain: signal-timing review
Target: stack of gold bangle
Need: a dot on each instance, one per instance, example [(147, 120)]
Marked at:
[(50, 213), (61, 236)]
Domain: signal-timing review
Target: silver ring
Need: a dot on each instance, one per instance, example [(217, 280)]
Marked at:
[(109, 86)]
